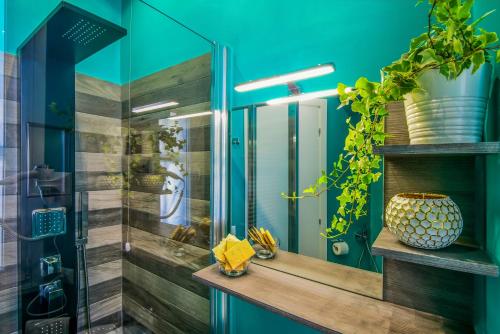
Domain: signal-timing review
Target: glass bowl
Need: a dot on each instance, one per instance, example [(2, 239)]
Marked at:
[(234, 273), (263, 253)]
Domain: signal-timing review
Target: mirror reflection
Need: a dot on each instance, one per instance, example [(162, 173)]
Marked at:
[(288, 146)]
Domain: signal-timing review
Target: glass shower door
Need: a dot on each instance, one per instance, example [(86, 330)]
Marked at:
[(167, 168)]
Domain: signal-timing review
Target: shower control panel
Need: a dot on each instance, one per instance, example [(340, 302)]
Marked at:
[(52, 294), (48, 222), (50, 265)]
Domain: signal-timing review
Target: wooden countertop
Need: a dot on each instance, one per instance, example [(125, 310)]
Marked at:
[(347, 278), (323, 307)]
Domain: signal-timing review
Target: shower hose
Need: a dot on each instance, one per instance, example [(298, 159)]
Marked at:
[(81, 257)]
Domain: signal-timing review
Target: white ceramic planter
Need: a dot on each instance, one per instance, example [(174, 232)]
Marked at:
[(428, 221), (448, 111)]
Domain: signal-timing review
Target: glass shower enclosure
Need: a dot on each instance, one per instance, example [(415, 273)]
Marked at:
[(113, 187)]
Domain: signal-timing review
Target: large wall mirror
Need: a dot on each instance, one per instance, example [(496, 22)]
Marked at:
[(281, 149)]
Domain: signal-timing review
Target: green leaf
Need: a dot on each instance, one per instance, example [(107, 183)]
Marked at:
[(310, 190), (497, 59), (464, 12), (428, 56), (417, 41), (477, 60), (457, 47), (487, 37), (451, 26)]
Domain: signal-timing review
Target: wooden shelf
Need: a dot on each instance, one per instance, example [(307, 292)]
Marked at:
[(439, 149), (454, 257), (323, 307)]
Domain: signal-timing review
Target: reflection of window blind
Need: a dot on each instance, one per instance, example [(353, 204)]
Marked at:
[(168, 202), (272, 170)]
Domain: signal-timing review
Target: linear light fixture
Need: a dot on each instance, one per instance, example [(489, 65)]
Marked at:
[(312, 72), (155, 106), (305, 97), (205, 113)]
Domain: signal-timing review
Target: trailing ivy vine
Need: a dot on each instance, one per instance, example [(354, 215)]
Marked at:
[(451, 44)]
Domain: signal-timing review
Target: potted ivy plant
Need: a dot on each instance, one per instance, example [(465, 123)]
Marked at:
[(449, 105), (453, 51)]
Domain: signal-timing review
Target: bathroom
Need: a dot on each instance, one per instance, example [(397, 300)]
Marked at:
[(142, 139)]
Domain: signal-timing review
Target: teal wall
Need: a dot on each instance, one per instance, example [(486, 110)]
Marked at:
[(358, 255), (280, 36), (270, 37), (492, 292), (154, 42), (23, 16), (248, 318)]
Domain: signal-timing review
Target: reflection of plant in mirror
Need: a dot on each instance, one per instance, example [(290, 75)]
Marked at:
[(166, 146), (65, 116), (451, 44)]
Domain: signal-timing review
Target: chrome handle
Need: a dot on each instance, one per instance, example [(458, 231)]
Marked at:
[(82, 204)]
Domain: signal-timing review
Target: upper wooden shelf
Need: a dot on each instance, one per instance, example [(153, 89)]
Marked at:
[(439, 149), (323, 307), (454, 257)]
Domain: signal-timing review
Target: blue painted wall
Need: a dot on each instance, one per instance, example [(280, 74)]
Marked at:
[(270, 37), (358, 255), (23, 16), (275, 37), (154, 42), (491, 319)]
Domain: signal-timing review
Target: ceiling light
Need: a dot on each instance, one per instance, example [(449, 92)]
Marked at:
[(205, 113), (286, 78), (305, 97), (155, 106)]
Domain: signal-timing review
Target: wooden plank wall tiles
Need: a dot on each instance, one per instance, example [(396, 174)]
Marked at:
[(9, 113), (99, 151), (439, 291), (159, 295), (98, 162)]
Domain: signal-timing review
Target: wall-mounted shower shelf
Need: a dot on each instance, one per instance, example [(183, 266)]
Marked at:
[(455, 257), (439, 149), (323, 307)]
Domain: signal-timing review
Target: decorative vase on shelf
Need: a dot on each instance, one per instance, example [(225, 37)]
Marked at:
[(448, 111), (429, 221)]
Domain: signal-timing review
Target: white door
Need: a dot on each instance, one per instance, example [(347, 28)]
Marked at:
[(312, 160)]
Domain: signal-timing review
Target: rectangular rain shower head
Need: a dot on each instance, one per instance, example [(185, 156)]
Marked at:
[(73, 34)]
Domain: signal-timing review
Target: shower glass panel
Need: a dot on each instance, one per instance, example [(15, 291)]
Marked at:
[(106, 131), (167, 126)]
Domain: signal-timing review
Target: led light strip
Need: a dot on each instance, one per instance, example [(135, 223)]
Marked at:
[(286, 78), (205, 113), (155, 106), (305, 97)]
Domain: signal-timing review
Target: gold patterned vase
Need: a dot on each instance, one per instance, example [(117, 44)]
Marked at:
[(428, 221)]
